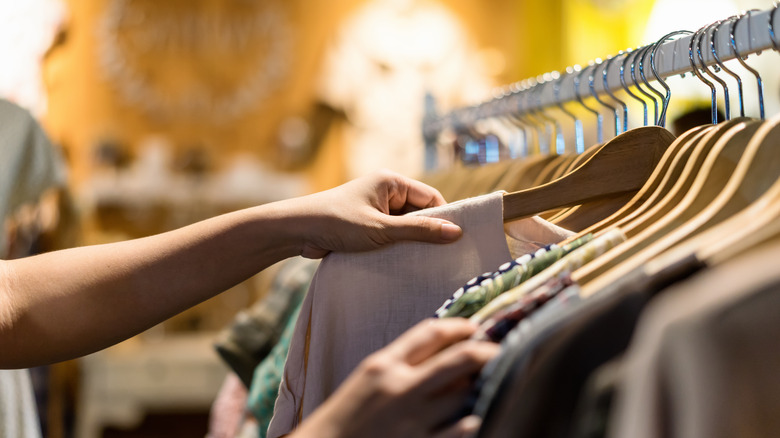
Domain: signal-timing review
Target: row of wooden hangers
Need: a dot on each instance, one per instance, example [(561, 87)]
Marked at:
[(712, 193)]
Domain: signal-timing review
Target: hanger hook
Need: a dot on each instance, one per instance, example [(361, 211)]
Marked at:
[(512, 114), (705, 68), (734, 50), (543, 81), (668, 97), (599, 121), (629, 53), (695, 70), (642, 58), (604, 73), (591, 84), (526, 111), (579, 140), (723, 67), (634, 69)]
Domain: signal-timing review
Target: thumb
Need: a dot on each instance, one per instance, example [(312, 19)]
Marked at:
[(421, 228), (465, 428)]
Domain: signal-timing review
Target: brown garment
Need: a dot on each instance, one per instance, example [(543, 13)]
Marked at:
[(704, 361)]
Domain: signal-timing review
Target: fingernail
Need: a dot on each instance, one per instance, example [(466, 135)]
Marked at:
[(471, 425), (450, 232)]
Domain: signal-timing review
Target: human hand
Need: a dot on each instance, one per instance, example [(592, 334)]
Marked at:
[(364, 214), (410, 389)]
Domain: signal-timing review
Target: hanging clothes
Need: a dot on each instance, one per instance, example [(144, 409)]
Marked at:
[(704, 360), (534, 386), (255, 332), (483, 289), (358, 303)]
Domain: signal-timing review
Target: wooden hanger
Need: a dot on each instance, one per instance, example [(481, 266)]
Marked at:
[(584, 216), (653, 190), (523, 173), (546, 175), (565, 165), (577, 162), (707, 172), (754, 180), (691, 169), (621, 165), (751, 227)]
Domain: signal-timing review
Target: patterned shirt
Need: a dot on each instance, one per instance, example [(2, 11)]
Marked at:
[(483, 289), (571, 262)]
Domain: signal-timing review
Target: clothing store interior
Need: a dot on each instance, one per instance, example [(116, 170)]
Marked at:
[(610, 162)]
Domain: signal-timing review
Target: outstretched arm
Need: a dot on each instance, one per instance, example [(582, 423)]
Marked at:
[(68, 303)]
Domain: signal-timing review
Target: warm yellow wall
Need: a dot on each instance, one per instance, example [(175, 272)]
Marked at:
[(532, 37), (85, 108)]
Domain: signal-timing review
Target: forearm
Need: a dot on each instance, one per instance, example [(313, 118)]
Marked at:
[(65, 304), (68, 303)]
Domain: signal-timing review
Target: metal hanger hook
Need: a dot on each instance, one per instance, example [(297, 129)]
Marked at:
[(622, 104), (695, 70), (591, 84), (599, 122), (642, 58), (735, 51), (668, 97), (629, 53), (579, 140), (635, 67), (726, 98), (740, 91)]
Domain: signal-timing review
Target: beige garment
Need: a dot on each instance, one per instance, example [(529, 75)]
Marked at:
[(704, 360), (358, 303)]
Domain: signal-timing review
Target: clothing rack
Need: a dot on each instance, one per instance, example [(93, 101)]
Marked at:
[(752, 34)]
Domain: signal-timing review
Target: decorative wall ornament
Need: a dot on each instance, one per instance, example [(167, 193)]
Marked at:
[(195, 59)]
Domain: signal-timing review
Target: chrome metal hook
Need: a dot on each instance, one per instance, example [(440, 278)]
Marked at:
[(542, 82), (647, 83), (728, 71), (734, 50), (629, 53), (695, 70), (726, 98), (634, 68), (591, 85), (512, 114), (579, 136), (668, 97), (528, 111), (604, 74), (599, 120)]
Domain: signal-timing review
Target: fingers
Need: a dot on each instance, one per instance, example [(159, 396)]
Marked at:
[(465, 428), (406, 191), (428, 338), (421, 229), (456, 363)]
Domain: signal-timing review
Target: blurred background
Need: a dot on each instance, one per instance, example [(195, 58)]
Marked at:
[(169, 112)]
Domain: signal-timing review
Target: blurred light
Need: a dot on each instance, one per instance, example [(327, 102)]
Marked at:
[(27, 29), (293, 133), (671, 15), (491, 149)]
